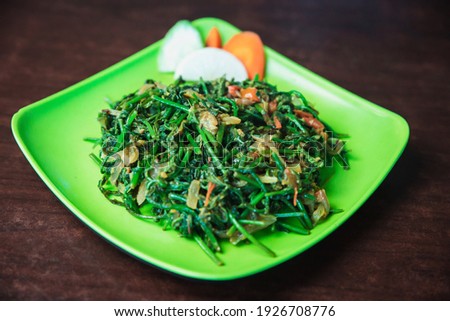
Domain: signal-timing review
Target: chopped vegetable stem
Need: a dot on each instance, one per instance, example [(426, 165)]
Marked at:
[(294, 229), (171, 103), (250, 237), (207, 250), (217, 159)]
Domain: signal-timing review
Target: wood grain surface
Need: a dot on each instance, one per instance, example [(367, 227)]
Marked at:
[(396, 247)]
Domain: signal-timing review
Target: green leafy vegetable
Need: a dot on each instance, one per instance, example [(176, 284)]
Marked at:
[(217, 159)]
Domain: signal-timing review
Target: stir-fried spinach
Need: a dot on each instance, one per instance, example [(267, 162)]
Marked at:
[(217, 160)]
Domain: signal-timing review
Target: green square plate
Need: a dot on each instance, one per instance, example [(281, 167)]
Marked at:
[(50, 133)]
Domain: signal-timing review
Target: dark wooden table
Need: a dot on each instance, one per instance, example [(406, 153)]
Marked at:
[(396, 247)]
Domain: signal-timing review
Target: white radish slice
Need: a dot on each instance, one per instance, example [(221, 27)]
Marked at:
[(210, 64), (180, 40)]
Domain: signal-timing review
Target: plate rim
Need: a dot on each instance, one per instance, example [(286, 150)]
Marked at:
[(160, 264)]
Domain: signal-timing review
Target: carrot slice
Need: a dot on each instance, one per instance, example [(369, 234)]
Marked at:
[(249, 93), (310, 120), (273, 106), (208, 192), (213, 39), (248, 48), (233, 90), (277, 122)]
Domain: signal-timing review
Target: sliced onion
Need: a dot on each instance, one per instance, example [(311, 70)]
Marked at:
[(158, 169), (229, 120), (322, 198), (268, 179), (323, 208), (209, 122), (192, 197), (189, 93), (142, 193), (251, 228), (289, 178), (145, 88), (115, 172), (319, 214), (129, 155), (232, 120)]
